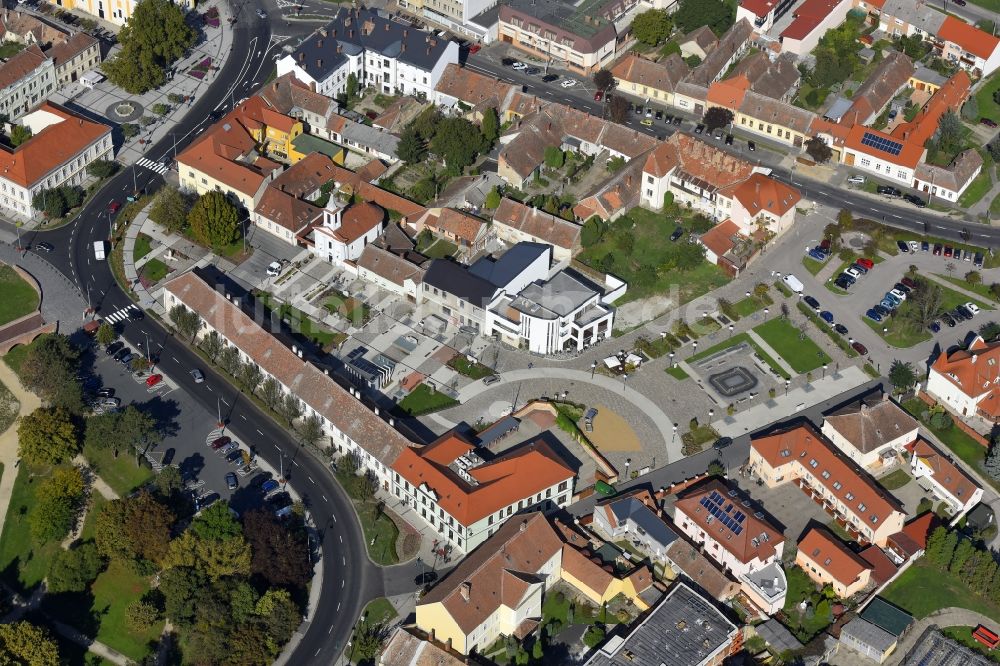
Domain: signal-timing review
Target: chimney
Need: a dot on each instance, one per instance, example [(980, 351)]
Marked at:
[(403, 47), (350, 33), (339, 49), (334, 33), (319, 43), (319, 62), (466, 590), (302, 56), (387, 26), (322, 32), (524, 525), (392, 422)]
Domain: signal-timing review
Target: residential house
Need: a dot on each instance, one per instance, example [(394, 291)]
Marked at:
[(114, 11), (405, 649), (759, 204), (943, 478), (911, 541), (872, 433), (731, 47), (515, 222), (27, 29), (777, 79), (600, 586), (74, 56), (899, 18), (812, 18), (476, 91), (926, 80), (612, 197), (886, 616), (686, 559), (26, 79), (890, 74), (388, 270), (391, 57), (60, 148), (803, 456), (635, 518), (868, 640), (763, 13), (685, 629), (649, 80), (348, 425), (467, 232), (727, 247), (828, 561), (286, 209), (346, 230), (950, 182), (774, 119), (965, 380), (497, 589), (739, 539), (699, 42)]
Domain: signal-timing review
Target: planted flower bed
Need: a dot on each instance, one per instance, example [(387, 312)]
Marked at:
[(201, 69), (212, 17)]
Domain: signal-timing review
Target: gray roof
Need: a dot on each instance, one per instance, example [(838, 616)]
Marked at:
[(376, 139), (642, 515), (916, 14), (934, 649), (777, 636), (557, 297), (456, 279), (928, 75), (357, 30), (840, 106), (511, 263), (868, 634), (980, 517), (886, 616), (684, 630)]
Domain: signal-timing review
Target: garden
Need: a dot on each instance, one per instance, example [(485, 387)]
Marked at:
[(19, 297), (424, 400), (300, 323), (200, 70), (794, 345), (819, 610), (637, 248), (923, 589), (352, 309), (467, 368)]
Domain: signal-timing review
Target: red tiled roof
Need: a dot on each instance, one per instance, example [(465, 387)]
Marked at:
[(808, 16), (830, 554), (948, 97), (760, 192), (20, 65), (969, 37), (518, 474), (357, 220), (760, 8), (720, 238), (52, 147), (975, 371), (946, 473), (921, 527), (882, 567), (729, 93), (909, 156)]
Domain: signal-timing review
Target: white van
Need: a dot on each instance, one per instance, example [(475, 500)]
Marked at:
[(99, 250), (793, 283)]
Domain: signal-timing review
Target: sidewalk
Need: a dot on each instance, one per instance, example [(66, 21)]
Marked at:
[(8, 439)]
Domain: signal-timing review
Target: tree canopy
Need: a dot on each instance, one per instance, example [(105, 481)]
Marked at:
[(133, 528), (73, 570), (48, 436), (170, 208), (902, 375), (818, 150), (717, 117), (155, 36), (651, 27), (716, 14), (279, 555), (23, 643), (50, 369), (57, 501), (121, 431), (458, 142), (214, 220)]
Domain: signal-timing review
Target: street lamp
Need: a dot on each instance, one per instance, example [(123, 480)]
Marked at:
[(354, 643), (824, 371), (787, 382), (711, 414), (695, 343), (765, 314), (593, 369), (624, 378), (730, 330), (674, 438), (218, 403), (885, 330)]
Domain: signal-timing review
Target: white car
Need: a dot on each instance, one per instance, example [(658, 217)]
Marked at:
[(518, 65), (273, 269), (973, 308), (898, 293), (856, 180), (853, 272), (568, 83), (261, 14), (914, 246)]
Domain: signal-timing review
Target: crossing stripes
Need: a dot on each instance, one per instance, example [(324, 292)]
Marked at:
[(121, 315), (151, 165)]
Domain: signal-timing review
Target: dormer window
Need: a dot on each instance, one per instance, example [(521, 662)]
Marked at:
[(826, 474), (862, 507), (813, 463)]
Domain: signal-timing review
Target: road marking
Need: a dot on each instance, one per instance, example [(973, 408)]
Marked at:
[(311, 480), (295, 463), (209, 388), (338, 608), (341, 584), (225, 403), (316, 653), (331, 626), (324, 498), (275, 446), (175, 359), (243, 417), (259, 432), (334, 517), (341, 538), (343, 560)]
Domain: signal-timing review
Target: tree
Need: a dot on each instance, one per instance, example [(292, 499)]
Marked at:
[(458, 142), (24, 643), (974, 277), (411, 148), (57, 501), (913, 46), (75, 569), (490, 126), (229, 359), (214, 558), (603, 78), (992, 462), (106, 334), (180, 587), (121, 431), (278, 555), (216, 523), (170, 209), (618, 109), (50, 369), (155, 36), (950, 131), (270, 392), (692, 60), (492, 198), (19, 134), (290, 408), (212, 345), (554, 157), (51, 202), (168, 482), (818, 150), (48, 436), (994, 148), (716, 14), (102, 168), (351, 88), (136, 527), (594, 636), (990, 330), (963, 551), (140, 616), (311, 430), (369, 638), (902, 375), (130, 130), (650, 27), (249, 376), (187, 322), (214, 221), (717, 117), (922, 306)]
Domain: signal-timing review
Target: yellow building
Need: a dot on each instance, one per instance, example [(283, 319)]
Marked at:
[(828, 561), (601, 586), (648, 80), (114, 11)]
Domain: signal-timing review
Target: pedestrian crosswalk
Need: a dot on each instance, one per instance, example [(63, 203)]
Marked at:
[(123, 314), (152, 166)]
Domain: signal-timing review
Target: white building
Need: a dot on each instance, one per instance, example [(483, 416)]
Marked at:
[(944, 479), (346, 230), (114, 11), (966, 380), (390, 57), (26, 79), (873, 434), (949, 183), (61, 147)]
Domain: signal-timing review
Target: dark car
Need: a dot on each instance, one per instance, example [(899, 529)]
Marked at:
[(722, 443), (811, 302), (699, 129), (44, 247), (122, 353), (729, 139), (269, 486), (128, 358), (114, 348), (208, 500), (218, 443), (826, 316), (966, 312), (889, 191), (908, 282), (873, 315), (426, 578), (232, 481), (106, 392), (843, 283), (659, 115), (751, 145), (678, 232), (860, 348), (960, 3), (903, 287), (987, 122), (903, 247), (924, 246), (279, 500), (934, 326), (937, 249), (848, 278), (840, 328), (136, 315), (260, 479), (677, 120), (958, 315), (859, 268), (234, 456), (507, 62), (978, 260), (532, 71), (882, 310), (915, 200), (549, 78), (948, 320)]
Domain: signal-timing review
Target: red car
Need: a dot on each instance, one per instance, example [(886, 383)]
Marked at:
[(866, 263), (220, 442), (113, 208), (599, 95), (153, 380), (860, 348), (475, 48)]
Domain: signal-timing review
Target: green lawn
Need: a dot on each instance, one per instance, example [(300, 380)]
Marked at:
[(23, 562), (795, 347), (8, 49), (677, 373), (964, 636), (995, 205), (113, 591), (300, 323), (812, 265), (899, 335), (984, 98), (154, 270), (380, 531), (15, 357), (440, 249), (895, 480), (464, 366), (748, 305), (922, 589), (142, 247), (120, 473), (19, 297), (801, 587), (733, 341), (637, 248), (349, 308), (982, 289), (977, 190), (422, 401), (97, 501), (951, 299)]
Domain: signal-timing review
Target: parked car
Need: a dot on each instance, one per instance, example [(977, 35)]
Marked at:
[(859, 268), (111, 402), (751, 145), (893, 298), (646, 122), (948, 319), (811, 302), (856, 180), (153, 380), (882, 310), (867, 263), (850, 279), (279, 499), (269, 486), (889, 191), (978, 260), (901, 295), (44, 247), (987, 122), (551, 78), (853, 272), (599, 95), (677, 120), (888, 303), (492, 379), (219, 442), (908, 282), (960, 314), (972, 307), (259, 480), (860, 348), (228, 448), (817, 254), (937, 249), (232, 481), (122, 353), (729, 139), (678, 232), (206, 501), (914, 246), (903, 247), (568, 83), (127, 359), (948, 251), (915, 200), (826, 316), (844, 282), (114, 348), (273, 269), (966, 312), (699, 129), (934, 326), (924, 246), (234, 456), (261, 14), (873, 315), (840, 328), (106, 392)]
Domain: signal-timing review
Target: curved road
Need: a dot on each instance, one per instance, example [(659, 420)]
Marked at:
[(349, 577)]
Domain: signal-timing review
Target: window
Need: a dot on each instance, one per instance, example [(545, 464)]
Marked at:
[(862, 507), (826, 474), (849, 496), (813, 463), (837, 485)]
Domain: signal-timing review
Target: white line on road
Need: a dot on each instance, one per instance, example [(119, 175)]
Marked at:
[(324, 498), (338, 608), (243, 417), (334, 517), (341, 538), (295, 463), (209, 388), (343, 560), (341, 584), (331, 626), (224, 402), (175, 359), (311, 481), (259, 432), (316, 653), (275, 446)]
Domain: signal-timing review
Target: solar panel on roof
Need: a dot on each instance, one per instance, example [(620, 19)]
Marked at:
[(737, 530), (873, 140), (740, 516), (729, 507)]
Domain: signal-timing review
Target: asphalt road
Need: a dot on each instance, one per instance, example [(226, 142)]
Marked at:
[(349, 577), (899, 214)]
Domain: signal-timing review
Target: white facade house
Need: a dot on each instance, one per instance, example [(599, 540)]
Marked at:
[(346, 230), (944, 479), (871, 433), (966, 381), (26, 79), (949, 183), (381, 54)]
